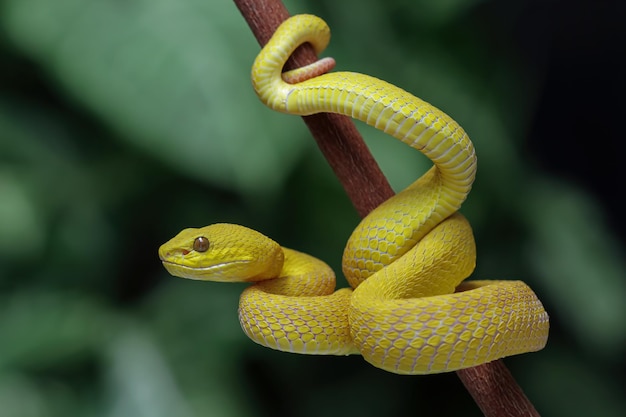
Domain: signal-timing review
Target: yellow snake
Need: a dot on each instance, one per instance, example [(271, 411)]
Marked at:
[(409, 312)]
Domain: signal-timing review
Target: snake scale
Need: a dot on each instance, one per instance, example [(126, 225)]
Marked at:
[(408, 310)]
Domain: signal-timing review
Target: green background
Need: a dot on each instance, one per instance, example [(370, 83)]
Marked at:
[(122, 122)]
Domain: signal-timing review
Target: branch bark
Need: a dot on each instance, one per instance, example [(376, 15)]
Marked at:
[(491, 385)]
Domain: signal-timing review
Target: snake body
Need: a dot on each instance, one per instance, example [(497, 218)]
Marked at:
[(408, 311)]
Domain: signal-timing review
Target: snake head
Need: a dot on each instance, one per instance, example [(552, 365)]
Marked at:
[(222, 252)]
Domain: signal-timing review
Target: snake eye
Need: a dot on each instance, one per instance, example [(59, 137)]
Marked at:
[(201, 244)]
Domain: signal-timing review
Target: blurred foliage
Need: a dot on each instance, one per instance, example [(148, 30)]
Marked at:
[(122, 122)]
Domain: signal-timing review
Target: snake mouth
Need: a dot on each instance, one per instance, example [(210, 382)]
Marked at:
[(216, 272)]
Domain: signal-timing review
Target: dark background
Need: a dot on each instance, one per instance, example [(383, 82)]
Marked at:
[(122, 122)]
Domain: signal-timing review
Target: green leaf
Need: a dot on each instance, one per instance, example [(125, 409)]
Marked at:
[(47, 328), (580, 264), (171, 76), (139, 381), (20, 221), (20, 397)]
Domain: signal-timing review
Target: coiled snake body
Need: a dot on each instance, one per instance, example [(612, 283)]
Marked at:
[(409, 312)]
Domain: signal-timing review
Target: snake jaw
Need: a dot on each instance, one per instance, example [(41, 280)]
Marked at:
[(186, 263), (220, 272)]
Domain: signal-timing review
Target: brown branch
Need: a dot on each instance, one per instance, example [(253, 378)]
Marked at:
[(495, 391), (491, 385)]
